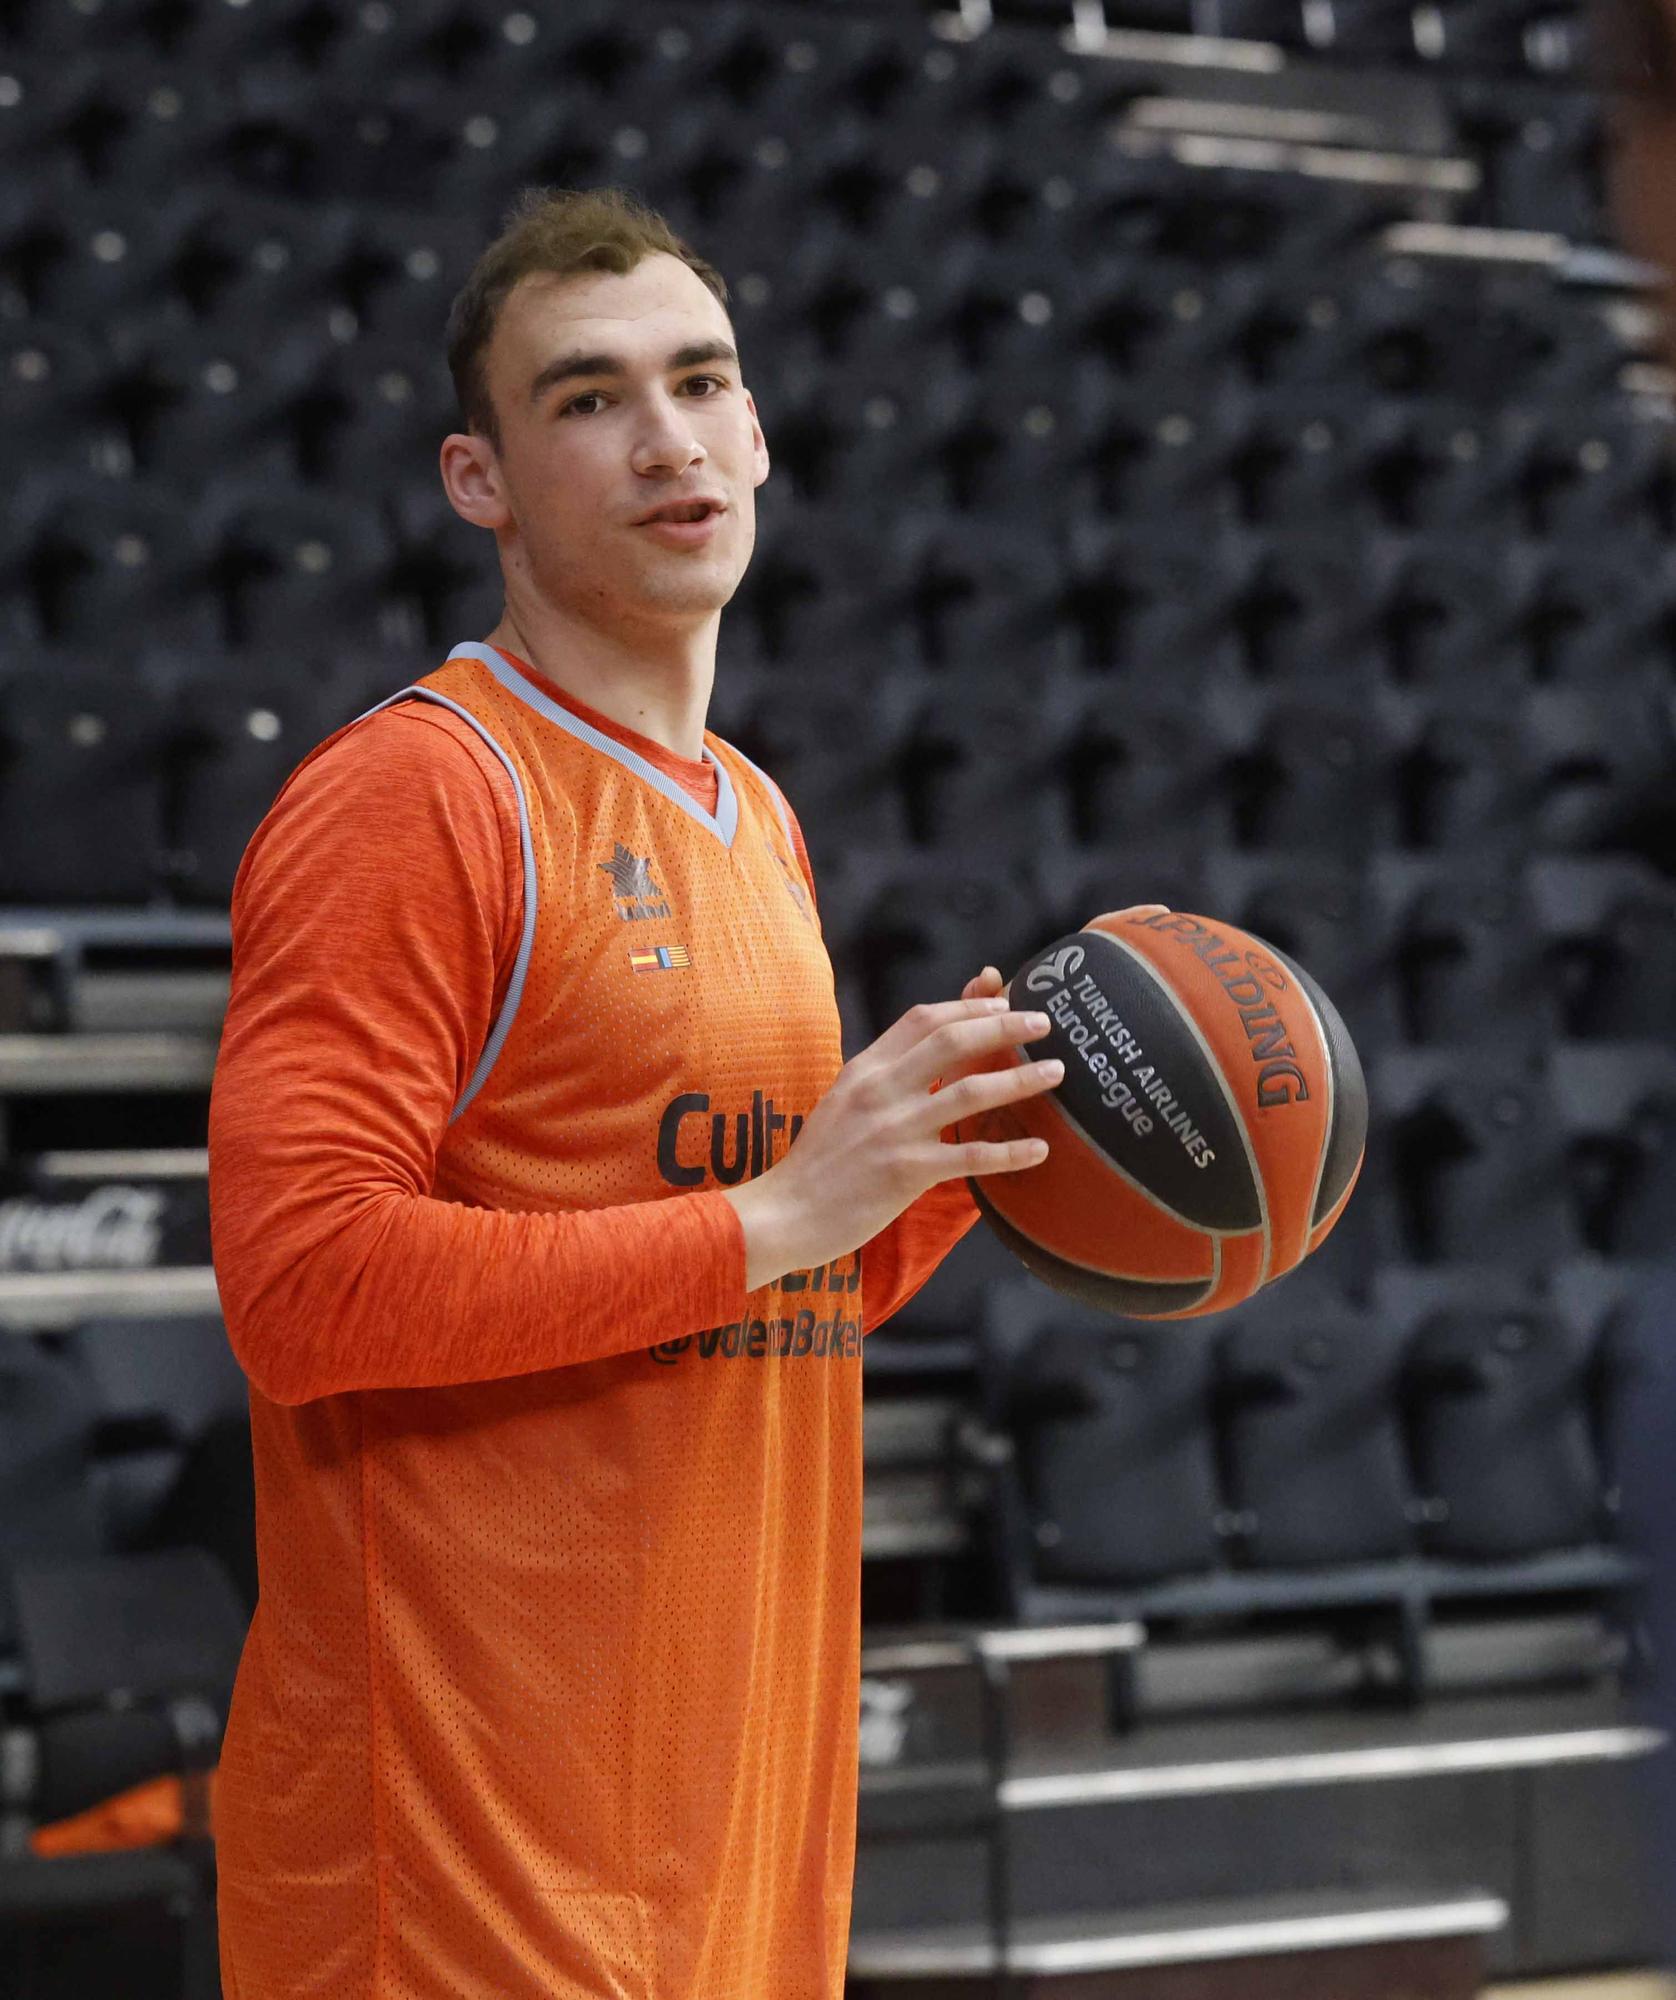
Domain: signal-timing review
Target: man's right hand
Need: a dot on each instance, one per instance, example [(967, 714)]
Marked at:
[(873, 1144)]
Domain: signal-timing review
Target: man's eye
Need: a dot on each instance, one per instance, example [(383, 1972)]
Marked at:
[(593, 395)]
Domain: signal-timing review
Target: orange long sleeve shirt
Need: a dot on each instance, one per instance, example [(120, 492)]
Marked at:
[(374, 933), (552, 1684)]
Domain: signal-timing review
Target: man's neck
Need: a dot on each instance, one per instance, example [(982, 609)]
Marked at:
[(661, 689)]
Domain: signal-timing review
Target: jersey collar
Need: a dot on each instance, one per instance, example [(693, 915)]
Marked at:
[(723, 822)]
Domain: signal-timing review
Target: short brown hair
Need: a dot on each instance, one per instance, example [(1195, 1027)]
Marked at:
[(557, 230)]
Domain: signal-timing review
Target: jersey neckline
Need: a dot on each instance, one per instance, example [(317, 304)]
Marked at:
[(723, 822)]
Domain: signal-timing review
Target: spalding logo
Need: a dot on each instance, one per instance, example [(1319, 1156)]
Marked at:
[(1243, 976), (1055, 971)]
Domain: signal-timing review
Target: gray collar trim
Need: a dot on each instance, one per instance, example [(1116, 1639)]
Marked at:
[(722, 823)]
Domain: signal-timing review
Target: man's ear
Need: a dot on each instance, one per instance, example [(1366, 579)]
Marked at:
[(471, 479), (759, 443)]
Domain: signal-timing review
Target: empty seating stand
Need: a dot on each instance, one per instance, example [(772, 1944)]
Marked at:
[(1317, 1468), (1021, 1830), (1117, 1479)]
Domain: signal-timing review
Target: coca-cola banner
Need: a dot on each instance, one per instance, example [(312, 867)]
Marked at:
[(114, 1226)]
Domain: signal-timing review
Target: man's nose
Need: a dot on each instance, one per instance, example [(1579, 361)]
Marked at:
[(666, 440)]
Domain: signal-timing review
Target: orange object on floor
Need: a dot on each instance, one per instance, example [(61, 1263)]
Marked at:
[(148, 1815)]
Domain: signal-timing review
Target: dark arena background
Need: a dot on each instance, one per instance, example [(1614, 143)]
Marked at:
[(1222, 457)]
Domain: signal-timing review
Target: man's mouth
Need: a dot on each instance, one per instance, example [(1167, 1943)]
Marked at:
[(681, 510)]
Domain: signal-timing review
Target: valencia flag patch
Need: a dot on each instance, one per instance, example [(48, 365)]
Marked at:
[(660, 958)]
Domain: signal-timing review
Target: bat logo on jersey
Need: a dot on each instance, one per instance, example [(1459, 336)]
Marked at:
[(637, 896)]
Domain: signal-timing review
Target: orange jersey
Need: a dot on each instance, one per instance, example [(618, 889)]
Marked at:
[(552, 1687)]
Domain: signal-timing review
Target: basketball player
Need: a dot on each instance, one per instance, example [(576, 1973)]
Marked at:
[(548, 1221)]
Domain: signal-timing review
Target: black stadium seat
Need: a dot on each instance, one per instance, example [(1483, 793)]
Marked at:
[(311, 567), (1467, 1160), (433, 39), (292, 29), (949, 1308), (1146, 453), (1463, 963), (981, 597), (55, 397), (984, 765), (1145, 606), (847, 785), (1436, 463), (1607, 1302), (1144, 765), (1571, 600), (261, 262), (1598, 761), (47, 1504), (1597, 476), (1294, 609), (1618, 1104), (209, 398), (1317, 1471), (987, 441), (1539, 148), (1439, 616), (373, 414), (142, 120), (92, 556), (1112, 1426), (1504, 1453), (1608, 929), (1298, 460), (800, 601), (443, 584), (1313, 771), (403, 268), (1461, 778), (842, 435), (157, 1386), (97, 252), (234, 739), (1068, 888), (81, 783), (932, 921)]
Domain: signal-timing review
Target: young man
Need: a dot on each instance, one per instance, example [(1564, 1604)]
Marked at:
[(548, 1221)]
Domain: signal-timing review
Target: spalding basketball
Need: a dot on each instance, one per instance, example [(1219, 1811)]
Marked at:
[(1209, 1129)]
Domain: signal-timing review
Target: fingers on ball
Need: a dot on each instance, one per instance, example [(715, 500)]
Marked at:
[(1004, 1156)]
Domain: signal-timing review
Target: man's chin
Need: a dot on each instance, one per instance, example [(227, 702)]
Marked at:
[(694, 591)]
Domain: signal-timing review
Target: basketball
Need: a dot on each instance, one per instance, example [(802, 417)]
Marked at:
[(1209, 1129)]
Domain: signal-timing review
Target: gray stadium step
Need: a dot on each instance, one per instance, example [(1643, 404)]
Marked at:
[(31, 1065), (49, 1301), (1330, 1946)]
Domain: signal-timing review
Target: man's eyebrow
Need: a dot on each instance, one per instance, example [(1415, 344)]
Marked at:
[(565, 366)]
